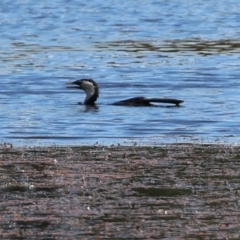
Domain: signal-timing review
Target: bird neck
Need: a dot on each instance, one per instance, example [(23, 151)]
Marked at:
[(91, 95)]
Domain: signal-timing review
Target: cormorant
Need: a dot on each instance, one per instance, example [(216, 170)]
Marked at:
[(91, 90)]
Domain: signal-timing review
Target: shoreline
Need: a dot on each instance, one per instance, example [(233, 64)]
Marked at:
[(133, 144)]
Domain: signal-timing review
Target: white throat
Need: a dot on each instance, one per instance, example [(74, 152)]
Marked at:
[(89, 89)]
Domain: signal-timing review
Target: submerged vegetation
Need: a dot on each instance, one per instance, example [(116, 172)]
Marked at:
[(196, 45)]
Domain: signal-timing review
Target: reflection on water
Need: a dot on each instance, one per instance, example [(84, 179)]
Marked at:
[(150, 50)]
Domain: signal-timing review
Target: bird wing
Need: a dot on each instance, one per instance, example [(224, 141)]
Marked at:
[(142, 101), (165, 100), (136, 101)]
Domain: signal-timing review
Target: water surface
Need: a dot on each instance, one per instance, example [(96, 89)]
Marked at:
[(131, 49)]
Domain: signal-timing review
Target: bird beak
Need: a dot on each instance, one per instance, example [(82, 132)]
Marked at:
[(73, 85)]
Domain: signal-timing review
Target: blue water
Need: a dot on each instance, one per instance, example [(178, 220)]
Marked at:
[(179, 49)]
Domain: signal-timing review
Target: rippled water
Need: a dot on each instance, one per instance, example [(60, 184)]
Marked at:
[(178, 49)]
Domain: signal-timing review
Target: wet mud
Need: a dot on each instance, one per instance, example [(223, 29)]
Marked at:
[(181, 191)]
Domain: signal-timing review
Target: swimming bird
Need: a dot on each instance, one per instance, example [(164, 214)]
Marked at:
[(91, 89)]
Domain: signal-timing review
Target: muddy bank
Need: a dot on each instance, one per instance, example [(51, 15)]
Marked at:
[(171, 191)]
